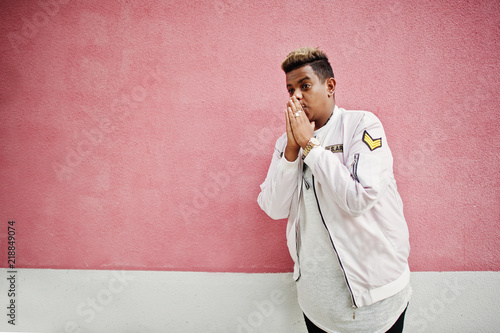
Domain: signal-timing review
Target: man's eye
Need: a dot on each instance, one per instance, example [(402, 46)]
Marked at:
[(306, 86)]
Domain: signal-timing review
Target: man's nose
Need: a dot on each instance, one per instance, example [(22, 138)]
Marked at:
[(297, 94)]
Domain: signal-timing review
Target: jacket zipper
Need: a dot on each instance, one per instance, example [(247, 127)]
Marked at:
[(297, 229), (354, 306)]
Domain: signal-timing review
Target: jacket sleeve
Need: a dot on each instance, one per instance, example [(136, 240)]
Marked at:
[(280, 185), (359, 183)]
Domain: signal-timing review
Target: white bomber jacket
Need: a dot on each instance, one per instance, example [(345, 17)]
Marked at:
[(358, 201)]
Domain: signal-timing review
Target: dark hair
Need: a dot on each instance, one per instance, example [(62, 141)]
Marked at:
[(316, 58)]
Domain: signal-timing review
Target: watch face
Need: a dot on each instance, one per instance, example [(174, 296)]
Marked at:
[(315, 141)]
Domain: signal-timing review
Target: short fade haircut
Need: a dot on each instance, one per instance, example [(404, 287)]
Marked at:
[(314, 57)]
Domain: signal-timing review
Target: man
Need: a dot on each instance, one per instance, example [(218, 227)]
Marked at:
[(331, 176)]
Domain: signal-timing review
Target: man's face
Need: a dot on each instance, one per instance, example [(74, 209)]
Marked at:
[(312, 94)]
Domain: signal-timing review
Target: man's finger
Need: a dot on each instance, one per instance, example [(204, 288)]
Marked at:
[(292, 106), (291, 114), (297, 104), (287, 114)]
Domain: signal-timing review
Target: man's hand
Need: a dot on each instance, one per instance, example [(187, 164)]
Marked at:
[(300, 126), (292, 147)]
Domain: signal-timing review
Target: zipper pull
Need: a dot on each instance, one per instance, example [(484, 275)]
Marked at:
[(307, 184), (304, 178), (354, 314)]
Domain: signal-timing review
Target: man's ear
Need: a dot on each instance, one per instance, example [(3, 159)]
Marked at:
[(330, 86)]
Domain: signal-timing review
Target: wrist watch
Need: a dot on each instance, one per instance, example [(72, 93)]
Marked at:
[(313, 142)]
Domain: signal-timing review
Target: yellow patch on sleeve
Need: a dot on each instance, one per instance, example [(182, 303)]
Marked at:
[(370, 142)]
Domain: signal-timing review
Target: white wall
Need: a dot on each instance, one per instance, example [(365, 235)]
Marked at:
[(148, 301)]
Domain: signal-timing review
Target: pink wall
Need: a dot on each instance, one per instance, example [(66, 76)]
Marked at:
[(134, 135)]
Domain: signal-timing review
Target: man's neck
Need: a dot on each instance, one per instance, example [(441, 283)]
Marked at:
[(327, 118)]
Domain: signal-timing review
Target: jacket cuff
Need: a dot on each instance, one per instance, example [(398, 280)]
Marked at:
[(313, 156), (289, 166)]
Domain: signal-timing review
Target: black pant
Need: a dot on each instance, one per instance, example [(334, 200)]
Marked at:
[(396, 328)]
